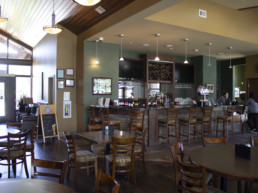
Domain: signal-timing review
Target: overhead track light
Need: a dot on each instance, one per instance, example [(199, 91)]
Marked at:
[(230, 65), (53, 29), (209, 44), (87, 2), (2, 19), (186, 61), (157, 47), (121, 47)]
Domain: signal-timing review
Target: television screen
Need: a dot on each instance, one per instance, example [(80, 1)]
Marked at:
[(184, 73), (131, 69)]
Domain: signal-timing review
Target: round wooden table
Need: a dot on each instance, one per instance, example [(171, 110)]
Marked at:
[(221, 159), (33, 185)]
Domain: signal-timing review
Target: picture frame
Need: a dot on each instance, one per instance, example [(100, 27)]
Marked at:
[(102, 86), (69, 72), (60, 73), (69, 82), (210, 88), (60, 84)]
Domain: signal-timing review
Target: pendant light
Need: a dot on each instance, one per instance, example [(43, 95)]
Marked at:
[(87, 2), (230, 66), (121, 47), (209, 63), (53, 29), (96, 59), (186, 61), (157, 47), (2, 19)]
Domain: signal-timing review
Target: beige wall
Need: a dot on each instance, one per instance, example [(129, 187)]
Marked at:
[(251, 70)]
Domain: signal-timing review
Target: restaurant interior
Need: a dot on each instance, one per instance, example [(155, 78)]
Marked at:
[(86, 82)]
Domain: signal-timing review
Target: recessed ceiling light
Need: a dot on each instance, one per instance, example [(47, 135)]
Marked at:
[(220, 54), (145, 45), (196, 50), (130, 42), (100, 10)]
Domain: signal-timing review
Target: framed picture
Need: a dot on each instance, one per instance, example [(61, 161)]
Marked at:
[(60, 84), (101, 86), (60, 73), (69, 72), (69, 82), (210, 88)]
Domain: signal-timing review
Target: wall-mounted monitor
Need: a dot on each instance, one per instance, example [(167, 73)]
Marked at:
[(131, 69), (184, 73)]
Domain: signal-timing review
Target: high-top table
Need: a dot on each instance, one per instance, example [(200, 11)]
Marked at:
[(221, 159), (33, 185)]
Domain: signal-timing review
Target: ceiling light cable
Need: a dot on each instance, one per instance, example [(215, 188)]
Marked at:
[(2, 19), (157, 47), (121, 47), (209, 64), (230, 65), (186, 61)]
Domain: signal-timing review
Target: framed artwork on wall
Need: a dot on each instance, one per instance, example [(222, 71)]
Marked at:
[(101, 86), (69, 72), (60, 84), (210, 88), (69, 82), (60, 73)]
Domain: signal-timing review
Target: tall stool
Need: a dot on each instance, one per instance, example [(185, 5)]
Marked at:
[(106, 121), (189, 122), (170, 121), (205, 121), (92, 117), (227, 118)]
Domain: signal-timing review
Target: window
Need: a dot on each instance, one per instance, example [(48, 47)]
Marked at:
[(3, 46), (23, 87), (17, 51), (3, 69), (20, 70)]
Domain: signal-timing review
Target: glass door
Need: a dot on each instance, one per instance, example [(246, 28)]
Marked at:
[(2, 99)]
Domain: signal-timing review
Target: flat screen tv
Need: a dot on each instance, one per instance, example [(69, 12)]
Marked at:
[(131, 69), (184, 73)]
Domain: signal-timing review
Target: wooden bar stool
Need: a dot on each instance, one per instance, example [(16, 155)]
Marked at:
[(106, 121), (92, 117), (189, 122), (170, 121), (205, 121)]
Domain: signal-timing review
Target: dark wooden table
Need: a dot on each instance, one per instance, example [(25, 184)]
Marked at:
[(33, 185), (221, 159)]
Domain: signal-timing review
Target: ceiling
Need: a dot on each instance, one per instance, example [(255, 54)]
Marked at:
[(167, 17)]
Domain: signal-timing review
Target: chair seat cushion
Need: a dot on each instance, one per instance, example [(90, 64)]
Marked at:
[(114, 122), (124, 159), (98, 148), (14, 154), (83, 156)]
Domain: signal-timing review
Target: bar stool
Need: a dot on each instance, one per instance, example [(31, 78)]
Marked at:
[(92, 117), (227, 118), (170, 121), (205, 121), (189, 122), (106, 121)]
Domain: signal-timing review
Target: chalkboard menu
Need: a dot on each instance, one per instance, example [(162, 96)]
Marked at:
[(160, 71), (48, 121)]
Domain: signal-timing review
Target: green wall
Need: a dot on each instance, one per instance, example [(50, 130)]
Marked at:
[(239, 79)]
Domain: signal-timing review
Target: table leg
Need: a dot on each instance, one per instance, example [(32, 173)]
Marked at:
[(223, 184)]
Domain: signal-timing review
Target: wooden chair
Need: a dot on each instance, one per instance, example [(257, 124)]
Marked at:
[(170, 121), (136, 120), (81, 159), (98, 149), (107, 181), (189, 122), (106, 121), (16, 125), (16, 149), (193, 178), (254, 140), (92, 117), (47, 164), (205, 121), (97, 127), (30, 143), (206, 140), (123, 154)]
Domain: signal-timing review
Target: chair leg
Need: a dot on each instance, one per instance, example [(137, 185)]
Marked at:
[(133, 175), (176, 135), (217, 128), (167, 134), (189, 134), (96, 167), (68, 172), (143, 161), (14, 167), (9, 168), (75, 174), (25, 167)]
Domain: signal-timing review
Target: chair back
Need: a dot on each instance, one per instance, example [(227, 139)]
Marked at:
[(17, 145), (136, 120), (94, 127), (206, 113), (193, 114), (104, 182), (105, 116), (254, 140), (91, 111), (47, 164), (33, 136), (192, 177), (15, 125), (216, 140), (70, 145), (230, 111), (172, 115)]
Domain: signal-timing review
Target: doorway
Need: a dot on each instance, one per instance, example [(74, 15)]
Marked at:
[(252, 85), (7, 98)]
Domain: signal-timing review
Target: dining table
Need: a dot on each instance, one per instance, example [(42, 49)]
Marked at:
[(221, 160), (32, 186)]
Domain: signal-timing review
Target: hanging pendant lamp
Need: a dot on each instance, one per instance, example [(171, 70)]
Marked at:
[(157, 47), (87, 2), (230, 48), (121, 47), (2, 19), (186, 61), (53, 29), (96, 59), (209, 63)]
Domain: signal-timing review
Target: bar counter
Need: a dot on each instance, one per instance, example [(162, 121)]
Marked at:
[(152, 114)]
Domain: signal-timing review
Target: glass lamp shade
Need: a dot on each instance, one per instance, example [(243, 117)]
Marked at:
[(96, 61), (53, 29), (121, 59), (3, 20), (230, 66), (157, 58), (185, 62), (87, 2)]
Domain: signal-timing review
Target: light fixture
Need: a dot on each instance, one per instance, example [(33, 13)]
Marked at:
[(121, 47), (157, 47), (209, 44), (96, 59), (230, 48), (87, 2), (53, 29), (186, 61), (2, 19)]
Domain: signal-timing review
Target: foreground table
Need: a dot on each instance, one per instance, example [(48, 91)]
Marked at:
[(32, 186)]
